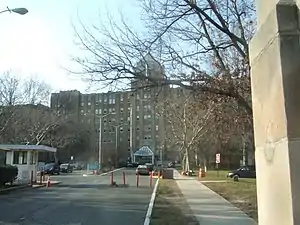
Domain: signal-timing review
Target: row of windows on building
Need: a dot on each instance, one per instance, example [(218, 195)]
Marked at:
[(105, 121), (147, 109), (112, 97), (146, 137), (21, 158), (113, 129)]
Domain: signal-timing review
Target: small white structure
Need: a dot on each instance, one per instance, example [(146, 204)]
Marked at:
[(144, 155), (25, 157)]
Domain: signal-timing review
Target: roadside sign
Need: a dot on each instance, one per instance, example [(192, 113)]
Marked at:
[(218, 158)]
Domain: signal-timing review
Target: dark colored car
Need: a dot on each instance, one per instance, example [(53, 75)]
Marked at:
[(135, 164), (129, 164), (66, 168), (52, 168), (142, 170), (243, 172)]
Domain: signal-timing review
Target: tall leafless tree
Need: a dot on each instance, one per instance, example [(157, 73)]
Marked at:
[(203, 46)]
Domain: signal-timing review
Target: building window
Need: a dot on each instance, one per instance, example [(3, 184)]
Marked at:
[(121, 119), (137, 128), (89, 103), (82, 103), (147, 107), (121, 129), (104, 131), (20, 158), (113, 110), (96, 111), (109, 110), (156, 127), (81, 111), (121, 110), (137, 117), (100, 111), (138, 108), (121, 98), (104, 111), (149, 128)]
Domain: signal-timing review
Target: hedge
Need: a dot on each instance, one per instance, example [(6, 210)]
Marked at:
[(8, 173)]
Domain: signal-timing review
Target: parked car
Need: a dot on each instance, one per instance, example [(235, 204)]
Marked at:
[(150, 166), (129, 164), (243, 172), (142, 170), (66, 168), (135, 164), (52, 168)]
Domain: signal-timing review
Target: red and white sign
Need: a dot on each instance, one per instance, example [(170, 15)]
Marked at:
[(218, 158)]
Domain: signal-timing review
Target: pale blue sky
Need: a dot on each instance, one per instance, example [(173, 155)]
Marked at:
[(42, 41)]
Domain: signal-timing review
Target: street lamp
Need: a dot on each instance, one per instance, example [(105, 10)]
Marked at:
[(21, 11), (117, 126)]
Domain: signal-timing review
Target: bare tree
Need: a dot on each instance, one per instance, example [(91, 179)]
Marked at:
[(186, 36), (10, 89), (36, 91), (186, 120), (15, 92)]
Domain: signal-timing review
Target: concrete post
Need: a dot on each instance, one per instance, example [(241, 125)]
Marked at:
[(275, 80)]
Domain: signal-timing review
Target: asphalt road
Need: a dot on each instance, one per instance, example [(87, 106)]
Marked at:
[(80, 200)]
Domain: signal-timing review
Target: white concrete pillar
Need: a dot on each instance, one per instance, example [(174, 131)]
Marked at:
[(275, 81)]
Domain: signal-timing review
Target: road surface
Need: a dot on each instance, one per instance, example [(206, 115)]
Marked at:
[(80, 200)]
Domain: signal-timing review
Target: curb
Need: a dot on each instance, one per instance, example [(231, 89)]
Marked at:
[(23, 187), (151, 204), (17, 188)]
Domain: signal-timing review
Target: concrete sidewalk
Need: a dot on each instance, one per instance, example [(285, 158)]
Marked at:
[(208, 207)]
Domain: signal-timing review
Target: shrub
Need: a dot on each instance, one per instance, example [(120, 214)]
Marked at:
[(8, 173)]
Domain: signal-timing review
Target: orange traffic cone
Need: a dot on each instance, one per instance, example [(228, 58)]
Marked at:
[(48, 182)]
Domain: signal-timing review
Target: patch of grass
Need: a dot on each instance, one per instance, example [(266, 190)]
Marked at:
[(242, 194), (214, 175), (170, 206)]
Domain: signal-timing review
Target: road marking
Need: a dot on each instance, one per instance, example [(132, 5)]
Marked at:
[(151, 204)]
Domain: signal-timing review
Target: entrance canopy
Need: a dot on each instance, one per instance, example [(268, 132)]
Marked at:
[(144, 151), (37, 148)]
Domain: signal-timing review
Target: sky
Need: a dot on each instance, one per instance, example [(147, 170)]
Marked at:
[(42, 42)]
